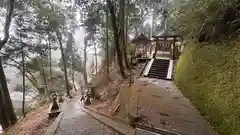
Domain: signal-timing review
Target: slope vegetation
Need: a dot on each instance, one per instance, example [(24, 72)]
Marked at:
[(209, 75)]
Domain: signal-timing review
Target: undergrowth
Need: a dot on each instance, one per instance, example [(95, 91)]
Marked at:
[(209, 75)]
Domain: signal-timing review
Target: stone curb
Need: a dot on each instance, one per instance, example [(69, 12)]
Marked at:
[(118, 126), (112, 118), (53, 127)]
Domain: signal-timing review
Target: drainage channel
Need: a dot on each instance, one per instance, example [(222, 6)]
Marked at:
[(146, 130)]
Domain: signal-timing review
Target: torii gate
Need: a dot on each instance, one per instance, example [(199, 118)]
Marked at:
[(165, 46)]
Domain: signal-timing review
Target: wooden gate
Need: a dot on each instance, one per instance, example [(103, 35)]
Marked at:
[(166, 47), (163, 48)]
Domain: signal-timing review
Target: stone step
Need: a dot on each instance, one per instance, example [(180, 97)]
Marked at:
[(158, 74), (161, 61), (158, 77), (160, 64), (162, 67), (159, 69)]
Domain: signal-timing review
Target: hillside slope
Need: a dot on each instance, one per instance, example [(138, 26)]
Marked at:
[(209, 75)]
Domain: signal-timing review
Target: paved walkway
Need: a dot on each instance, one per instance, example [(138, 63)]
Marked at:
[(77, 122), (165, 107), (160, 103)]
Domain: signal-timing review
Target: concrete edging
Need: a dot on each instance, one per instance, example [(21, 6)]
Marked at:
[(148, 66), (53, 127), (118, 126), (112, 118)]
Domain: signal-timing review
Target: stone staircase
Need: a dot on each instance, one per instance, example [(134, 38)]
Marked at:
[(159, 69)]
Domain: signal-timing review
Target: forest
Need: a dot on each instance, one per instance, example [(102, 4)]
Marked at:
[(34, 31)]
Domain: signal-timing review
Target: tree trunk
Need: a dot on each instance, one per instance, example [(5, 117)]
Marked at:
[(23, 75), (64, 63), (4, 120), (95, 55), (34, 83), (123, 32), (44, 78), (50, 64), (116, 38), (85, 64), (73, 78), (8, 20), (107, 48), (18, 66), (126, 28), (6, 108), (73, 81), (32, 79), (6, 95)]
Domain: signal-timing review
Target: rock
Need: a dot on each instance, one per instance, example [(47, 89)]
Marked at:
[(164, 122), (156, 96), (163, 113)]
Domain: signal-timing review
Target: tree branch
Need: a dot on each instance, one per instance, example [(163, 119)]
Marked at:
[(18, 66), (7, 23)]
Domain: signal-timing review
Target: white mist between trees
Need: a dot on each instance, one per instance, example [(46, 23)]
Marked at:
[(16, 79)]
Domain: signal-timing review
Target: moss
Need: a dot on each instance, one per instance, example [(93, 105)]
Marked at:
[(209, 76)]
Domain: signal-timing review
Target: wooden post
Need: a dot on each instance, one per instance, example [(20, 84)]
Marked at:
[(150, 51), (156, 49), (174, 45), (146, 47)]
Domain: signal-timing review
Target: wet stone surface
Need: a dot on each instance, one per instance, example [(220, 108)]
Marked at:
[(165, 107), (76, 122)]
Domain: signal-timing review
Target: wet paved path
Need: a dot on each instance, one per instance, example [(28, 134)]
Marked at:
[(164, 106), (76, 122)]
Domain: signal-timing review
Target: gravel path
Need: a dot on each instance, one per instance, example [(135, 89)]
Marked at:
[(76, 122)]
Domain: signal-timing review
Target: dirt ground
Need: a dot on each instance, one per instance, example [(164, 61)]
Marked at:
[(35, 123)]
